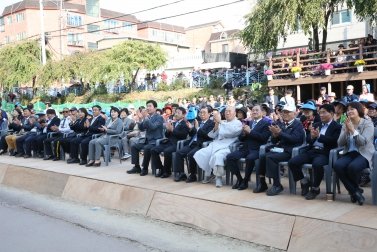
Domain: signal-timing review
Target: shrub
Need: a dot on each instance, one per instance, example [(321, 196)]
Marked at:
[(70, 97), (162, 87)]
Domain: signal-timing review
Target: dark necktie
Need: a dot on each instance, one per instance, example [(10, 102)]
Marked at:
[(196, 134), (253, 125)]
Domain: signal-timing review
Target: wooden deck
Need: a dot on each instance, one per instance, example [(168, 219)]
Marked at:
[(287, 222)]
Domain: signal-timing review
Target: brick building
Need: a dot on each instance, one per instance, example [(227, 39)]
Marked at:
[(83, 21)]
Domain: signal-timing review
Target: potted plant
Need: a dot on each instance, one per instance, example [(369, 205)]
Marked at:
[(296, 71), (327, 67), (269, 74), (360, 65)]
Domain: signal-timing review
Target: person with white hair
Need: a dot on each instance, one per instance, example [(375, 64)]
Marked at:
[(223, 134)]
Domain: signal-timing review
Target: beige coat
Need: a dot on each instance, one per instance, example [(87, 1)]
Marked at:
[(363, 141)]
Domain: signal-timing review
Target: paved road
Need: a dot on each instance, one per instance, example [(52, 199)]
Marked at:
[(34, 222)]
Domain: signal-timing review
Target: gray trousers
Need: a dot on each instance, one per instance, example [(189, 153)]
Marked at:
[(127, 144), (96, 147)]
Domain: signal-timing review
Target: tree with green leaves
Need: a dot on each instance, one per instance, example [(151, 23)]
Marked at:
[(273, 20), (104, 66), (20, 63)]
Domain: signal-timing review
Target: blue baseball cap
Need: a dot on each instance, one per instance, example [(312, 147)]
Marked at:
[(309, 105)]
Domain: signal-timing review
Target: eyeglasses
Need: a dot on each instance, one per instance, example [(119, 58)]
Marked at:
[(65, 111)]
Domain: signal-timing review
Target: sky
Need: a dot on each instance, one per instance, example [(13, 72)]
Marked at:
[(230, 15)]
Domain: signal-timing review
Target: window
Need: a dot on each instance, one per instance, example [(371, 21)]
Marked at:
[(223, 36), (225, 48), (74, 20), (7, 40), (93, 29), (341, 17), (9, 20), (155, 33), (21, 36), (92, 46), (128, 26), (111, 25), (92, 8), (20, 17), (75, 39), (2, 24)]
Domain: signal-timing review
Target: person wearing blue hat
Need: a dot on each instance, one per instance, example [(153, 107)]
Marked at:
[(372, 113), (309, 116), (199, 134)]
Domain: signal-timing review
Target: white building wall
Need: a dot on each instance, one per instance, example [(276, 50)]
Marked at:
[(336, 33)]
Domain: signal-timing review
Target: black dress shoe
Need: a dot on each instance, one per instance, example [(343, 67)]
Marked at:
[(48, 157), (353, 196), (237, 184), (159, 174), (191, 178), (180, 177), (89, 164), (242, 186), (27, 156), (260, 188), (83, 162), (97, 164), (40, 156), (134, 170), (144, 172), (20, 155), (305, 188), (56, 159), (165, 175), (360, 198), (275, 190), (312, 194), (73, 161)]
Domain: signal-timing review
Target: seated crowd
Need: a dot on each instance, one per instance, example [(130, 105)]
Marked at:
[(209, 132)]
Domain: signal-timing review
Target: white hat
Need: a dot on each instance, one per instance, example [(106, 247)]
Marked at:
[(290, 108), (131, 106), (350, 87), (332, 94)]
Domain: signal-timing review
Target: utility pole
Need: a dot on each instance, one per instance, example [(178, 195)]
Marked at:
[(43, 45), (61, 29)]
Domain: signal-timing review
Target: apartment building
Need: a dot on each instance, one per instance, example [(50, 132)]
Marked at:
[(83, 23)]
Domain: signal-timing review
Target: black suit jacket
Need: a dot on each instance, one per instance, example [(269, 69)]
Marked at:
[(179, 132), (203, 132), (78, 126), (257, 137), (329, 139), (54, 122), (94, 129), (290, 137)]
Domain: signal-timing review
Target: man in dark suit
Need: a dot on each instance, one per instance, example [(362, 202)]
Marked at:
[(92, 126), (271, 99), (174, 133), (52, 120), (322, 138), (199, 134), (152, 123), (287, 136), (254, 134)]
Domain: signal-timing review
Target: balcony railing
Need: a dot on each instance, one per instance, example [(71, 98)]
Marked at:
[(310, 63)]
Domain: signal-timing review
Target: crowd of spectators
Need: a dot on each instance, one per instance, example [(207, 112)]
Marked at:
[(210, 126)]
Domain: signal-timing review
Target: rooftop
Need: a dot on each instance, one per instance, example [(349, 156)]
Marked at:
[(161, 26), (216, 35), (204, 25), (34, 4)]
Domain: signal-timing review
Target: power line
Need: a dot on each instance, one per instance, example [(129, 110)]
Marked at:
[(124, 15), (144, 22)]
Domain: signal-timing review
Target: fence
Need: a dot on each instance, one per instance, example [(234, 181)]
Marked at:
[(311, 63)]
